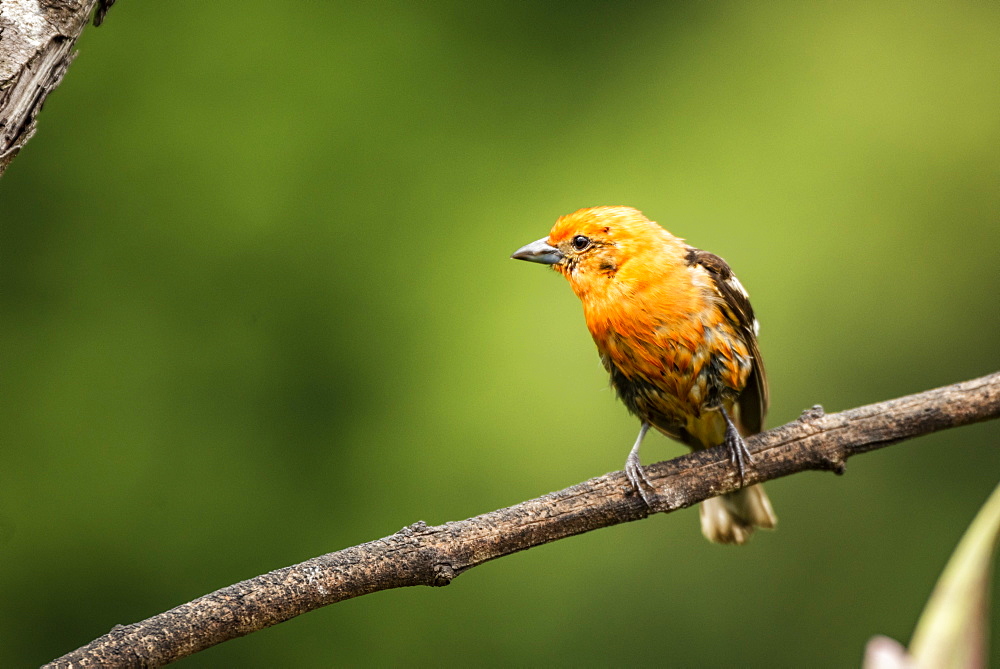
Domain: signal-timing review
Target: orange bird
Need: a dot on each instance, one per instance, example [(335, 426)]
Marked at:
[(676, 332)]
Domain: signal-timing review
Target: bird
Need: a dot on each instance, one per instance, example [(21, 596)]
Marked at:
[(677, 335)]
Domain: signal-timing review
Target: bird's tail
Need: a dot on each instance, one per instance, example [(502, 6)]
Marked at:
[(732, 518)]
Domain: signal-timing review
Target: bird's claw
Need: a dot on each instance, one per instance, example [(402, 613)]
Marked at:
[(637, 477), (739, 455)]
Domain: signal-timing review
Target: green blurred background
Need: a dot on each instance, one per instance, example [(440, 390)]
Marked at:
[(257, 306)]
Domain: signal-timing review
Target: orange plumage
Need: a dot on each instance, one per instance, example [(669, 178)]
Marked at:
[(676, 332)]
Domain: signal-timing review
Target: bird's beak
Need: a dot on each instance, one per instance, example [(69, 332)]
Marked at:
[(539, 251)]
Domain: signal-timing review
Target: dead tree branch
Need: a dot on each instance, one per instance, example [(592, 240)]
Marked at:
[(423, 555), (36, 46)]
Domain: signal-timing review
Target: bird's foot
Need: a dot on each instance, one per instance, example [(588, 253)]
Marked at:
[(637, 477), (739, 455)]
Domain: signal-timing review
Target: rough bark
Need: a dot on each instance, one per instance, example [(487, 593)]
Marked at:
[(423, 555), (36, 46)]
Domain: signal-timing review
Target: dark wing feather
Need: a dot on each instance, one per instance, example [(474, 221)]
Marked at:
[(753, 400)]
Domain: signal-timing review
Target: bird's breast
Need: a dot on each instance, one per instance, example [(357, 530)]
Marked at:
[(666, 370)]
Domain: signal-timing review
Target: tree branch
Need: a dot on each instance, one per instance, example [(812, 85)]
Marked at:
[(423, 555), (36, 46)]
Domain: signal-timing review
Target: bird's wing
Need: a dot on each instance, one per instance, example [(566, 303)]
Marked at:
[(753, 400)]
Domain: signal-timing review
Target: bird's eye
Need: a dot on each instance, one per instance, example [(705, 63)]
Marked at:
[(580, 242)]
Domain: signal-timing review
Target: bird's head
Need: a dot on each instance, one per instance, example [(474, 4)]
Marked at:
[(593, 246)]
